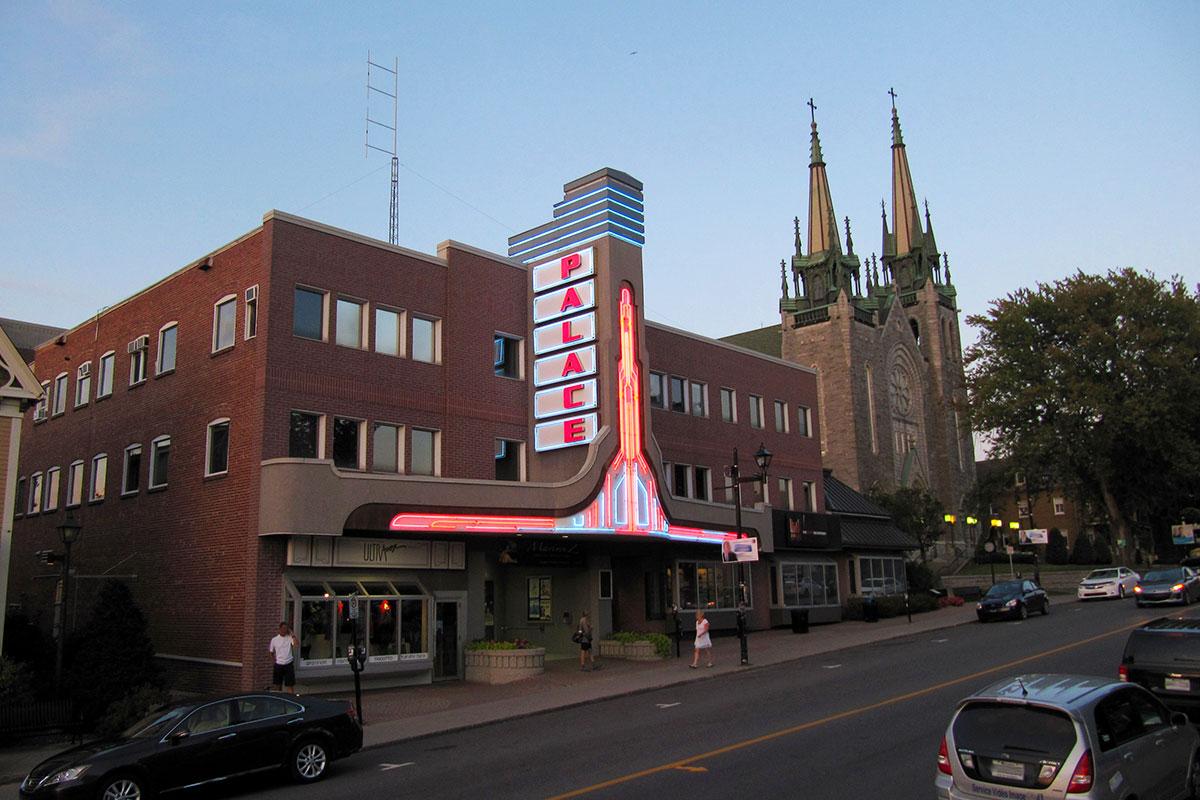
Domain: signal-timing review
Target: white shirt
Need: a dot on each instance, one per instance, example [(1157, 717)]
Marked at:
[(281, 646)]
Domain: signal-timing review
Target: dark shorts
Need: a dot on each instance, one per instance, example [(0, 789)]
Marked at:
[(585, 645), (284, 674)]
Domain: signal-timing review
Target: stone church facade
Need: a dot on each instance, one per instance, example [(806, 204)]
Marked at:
[(883, 334)]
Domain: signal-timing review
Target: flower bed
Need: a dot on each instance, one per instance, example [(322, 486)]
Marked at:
[(503, 662), (636, 646)]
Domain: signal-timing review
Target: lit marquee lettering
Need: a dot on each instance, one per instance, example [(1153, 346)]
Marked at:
[(569, 268), (566, 432), (570, 332), (569, 398), (571, 365), (562, 302)]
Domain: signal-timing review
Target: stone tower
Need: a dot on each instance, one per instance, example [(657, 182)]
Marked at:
[(884, 335)]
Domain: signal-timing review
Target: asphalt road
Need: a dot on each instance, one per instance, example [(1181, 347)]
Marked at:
[(862, 722)]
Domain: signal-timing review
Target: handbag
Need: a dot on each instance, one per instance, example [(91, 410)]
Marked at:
[(577, 637)]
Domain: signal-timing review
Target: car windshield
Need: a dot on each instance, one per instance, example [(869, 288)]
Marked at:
[(1102, 575), (990, 728), (1005, 589), (156, 723), (1163, 575)]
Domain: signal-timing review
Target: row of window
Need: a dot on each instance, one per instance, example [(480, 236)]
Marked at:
[(1060, 507), (695, 483), (686, 396)]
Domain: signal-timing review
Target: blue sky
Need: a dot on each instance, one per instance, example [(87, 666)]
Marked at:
[(135, 137)]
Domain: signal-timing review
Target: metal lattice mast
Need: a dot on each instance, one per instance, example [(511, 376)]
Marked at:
[(394, 204)]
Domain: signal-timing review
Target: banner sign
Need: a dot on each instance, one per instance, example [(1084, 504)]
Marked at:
[(1035, 536), (1183, 534), (735, 550)]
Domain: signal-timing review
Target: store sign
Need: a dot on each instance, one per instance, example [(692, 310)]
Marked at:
[(355, 553), (564, 316), (1035, 536)]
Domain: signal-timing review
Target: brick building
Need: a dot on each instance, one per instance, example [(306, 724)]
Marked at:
[(1035, 501), (465, 445)]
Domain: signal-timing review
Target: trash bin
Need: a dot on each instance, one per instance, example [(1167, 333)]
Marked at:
[(800, 620), (870, 609)]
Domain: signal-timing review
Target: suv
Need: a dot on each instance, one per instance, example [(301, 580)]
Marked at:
[(1164, 656), (1032, 737)]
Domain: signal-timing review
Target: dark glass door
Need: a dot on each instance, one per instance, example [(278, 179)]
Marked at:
[(445, 660)]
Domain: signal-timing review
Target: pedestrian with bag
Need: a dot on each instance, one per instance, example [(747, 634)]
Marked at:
[(583, 638), (703, 641)]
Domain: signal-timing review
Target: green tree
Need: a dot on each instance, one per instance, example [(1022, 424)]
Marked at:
[(1083, 553), (1103, 551), (1056, 548), (916, 511), (1095, 379)]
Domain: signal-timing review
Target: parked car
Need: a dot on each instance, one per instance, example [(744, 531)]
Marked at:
[(1174, 585), (1012, 599), (1040, 736), (1164, 657), (1109, 582), (189, 744)]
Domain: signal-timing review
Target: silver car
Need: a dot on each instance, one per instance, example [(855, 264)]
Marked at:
[(1038, 737), (1108, 582)]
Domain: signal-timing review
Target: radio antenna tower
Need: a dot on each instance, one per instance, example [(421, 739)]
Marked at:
[(372, 79)]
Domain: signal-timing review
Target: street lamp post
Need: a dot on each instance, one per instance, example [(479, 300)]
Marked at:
[(68, 532), (762, 458)]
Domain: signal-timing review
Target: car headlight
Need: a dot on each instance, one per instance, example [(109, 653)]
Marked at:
[(979, 606), (1011, 603), (67, 775)]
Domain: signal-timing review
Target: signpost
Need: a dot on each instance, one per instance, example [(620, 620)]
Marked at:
[(356, 654)]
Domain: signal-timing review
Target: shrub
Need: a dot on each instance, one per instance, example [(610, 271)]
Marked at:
[(921, 578), (1056, 548), (662, 643), (1103, 551), (492, 644), (1083, 552), (129, 709), (16, 682), (949, 600)]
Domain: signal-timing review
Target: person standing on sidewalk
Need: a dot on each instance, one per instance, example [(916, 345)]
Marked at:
[(283, 648), (583, 636), (703, 641)]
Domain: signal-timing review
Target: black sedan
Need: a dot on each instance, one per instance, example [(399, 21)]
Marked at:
[(188, 744), (1013, 600), (1175, 585)]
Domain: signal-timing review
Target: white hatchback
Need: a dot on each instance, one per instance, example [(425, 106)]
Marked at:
[(1108, 582)]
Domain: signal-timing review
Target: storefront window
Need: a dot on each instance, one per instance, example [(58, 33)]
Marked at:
[(316, 629), (539, 599), (414, 635), (806, 585), (394, 627), (383, 645), (882, 575), (710, 585)]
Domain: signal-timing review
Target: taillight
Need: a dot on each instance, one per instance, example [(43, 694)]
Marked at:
[(944, 759), (1081, 778), (1123, 673), (1137, 589)]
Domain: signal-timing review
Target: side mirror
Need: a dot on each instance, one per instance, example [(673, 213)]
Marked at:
[(1179, 719), (177, 736)]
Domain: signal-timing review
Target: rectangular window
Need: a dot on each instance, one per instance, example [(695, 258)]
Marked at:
[(308, 314), (388, 332), (216, 451), (36, 487), (510, 456), (83, 384), (224, 321), (681, 480), (41, 409), (781, 416), (99, 478), (728, 405), (306, 435), (385, 448), (75, 484), (785, 493), (131, 480), (804, 417), (882, 575), (709, 585), (1019, 479), (166, 348), (104, 382), (678, 394), (606, 585), (425, 344), (350, 320), (424, 452), (137, 366), (506, 356), (60, 395), (251, 327), (657, 397), (1022, 509), (1060, 507), (807, 585), (699, 392), (347, 447), (538, 594), (701, 483), (160, 457), (756, 411), (53, 479), (20, 506), (810, 496)]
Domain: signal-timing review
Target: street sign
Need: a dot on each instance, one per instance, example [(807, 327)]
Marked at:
[(989, 547), (1010, 549), (1035, 536), (735, 550)]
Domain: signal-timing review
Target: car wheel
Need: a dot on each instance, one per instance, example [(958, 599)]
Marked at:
[(1022, 612), (1121, 591), (308, 761), (1046, 607), (123, 787), (982, 619)]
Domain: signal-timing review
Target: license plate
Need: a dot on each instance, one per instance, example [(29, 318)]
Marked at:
[(1009, 770), (1177, 685)]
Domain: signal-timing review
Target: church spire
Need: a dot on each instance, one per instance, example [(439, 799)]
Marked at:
[(906, 222), (822, 223)]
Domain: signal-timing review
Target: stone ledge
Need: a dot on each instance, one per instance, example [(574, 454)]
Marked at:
[(633, 651), (504, 666)]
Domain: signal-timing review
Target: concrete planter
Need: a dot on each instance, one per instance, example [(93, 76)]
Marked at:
[(504, 666), (633, 651)]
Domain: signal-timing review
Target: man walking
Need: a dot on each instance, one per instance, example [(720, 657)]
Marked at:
[(283, 648)]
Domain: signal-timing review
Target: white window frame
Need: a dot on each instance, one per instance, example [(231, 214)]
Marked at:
[(141, 357), (109, 374), (804, 416), (41, 411), (732, 393), (685, 395), (663, 390), (75, 484), (83, 384), (93, 497), (1018, 478), (229, 298), (810, 495), (437, 450), (364, 317), (158, 358), (19, 505), (152, 478), (53, 487), (686, 490), (324, 311), (437, 337), (133, 449), (400, 430), (401, 330), (600, 593), (208, 429), (37, 490), (703, 398), (707, 482), (360, 434), (321, 424), (1060, 507), (62, 382), (250, 324), (785, 490), (791, 564), (521, 475), (781, 415), (756, 405)]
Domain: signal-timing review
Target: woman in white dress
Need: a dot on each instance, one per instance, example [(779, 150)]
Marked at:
[(703, 641)]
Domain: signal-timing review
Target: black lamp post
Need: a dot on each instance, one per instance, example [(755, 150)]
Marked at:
[(69, 532), (762, 458)]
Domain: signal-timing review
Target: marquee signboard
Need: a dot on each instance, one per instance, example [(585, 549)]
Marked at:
[(571, 332), (569, 398)]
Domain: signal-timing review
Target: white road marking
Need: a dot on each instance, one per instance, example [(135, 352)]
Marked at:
[(386, 767), (667, 705), (940, 641), (830, 666)]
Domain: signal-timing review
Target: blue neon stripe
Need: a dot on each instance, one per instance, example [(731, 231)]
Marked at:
[(515, 252), (569, 245), (516, 241), (639, 218), (610, 199), (605, 188)]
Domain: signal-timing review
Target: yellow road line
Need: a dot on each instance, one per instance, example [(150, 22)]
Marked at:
[(686, 763)]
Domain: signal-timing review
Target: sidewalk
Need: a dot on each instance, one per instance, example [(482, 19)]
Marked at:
[(394, 715)]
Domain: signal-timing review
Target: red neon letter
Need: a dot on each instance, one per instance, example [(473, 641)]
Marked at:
[(571, 300), (568, 335), (569, 396), (571, 365), (573, 430), (569, 265)]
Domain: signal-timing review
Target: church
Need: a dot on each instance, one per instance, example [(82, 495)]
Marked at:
[(883, 334)]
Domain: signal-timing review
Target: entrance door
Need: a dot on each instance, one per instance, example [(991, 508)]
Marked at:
[(447, 618)]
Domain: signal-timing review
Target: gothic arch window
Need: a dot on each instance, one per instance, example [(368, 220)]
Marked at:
[(907, 407), (946, 337), (870, 410), (916, 329)]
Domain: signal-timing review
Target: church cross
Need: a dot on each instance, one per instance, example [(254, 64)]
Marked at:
[(813, 110), (892, 92)]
